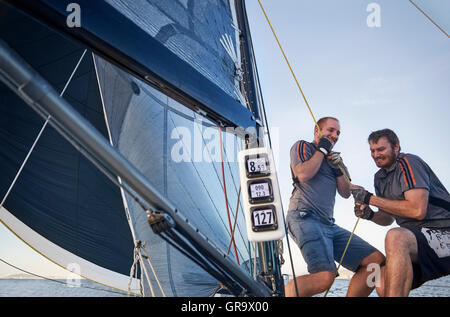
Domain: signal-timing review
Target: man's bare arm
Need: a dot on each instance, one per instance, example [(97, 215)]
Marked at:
[(343, 186), (308, 169), (414, 206), (382, 218)]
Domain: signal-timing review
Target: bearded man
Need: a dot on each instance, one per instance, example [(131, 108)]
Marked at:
[(408, 191)]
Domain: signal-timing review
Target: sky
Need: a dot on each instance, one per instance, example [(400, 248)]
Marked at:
[(395, 75)]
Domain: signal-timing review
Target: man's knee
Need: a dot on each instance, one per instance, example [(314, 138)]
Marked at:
[(325, 279), (398, 239)]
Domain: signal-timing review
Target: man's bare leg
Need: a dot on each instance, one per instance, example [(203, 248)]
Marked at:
[(359, 287), (310, 284), (401, 250)]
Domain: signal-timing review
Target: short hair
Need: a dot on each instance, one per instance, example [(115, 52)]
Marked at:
[(387, 133), (324, 119)]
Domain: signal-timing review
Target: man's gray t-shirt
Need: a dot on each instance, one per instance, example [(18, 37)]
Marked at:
[(316, 195), (410, 172)]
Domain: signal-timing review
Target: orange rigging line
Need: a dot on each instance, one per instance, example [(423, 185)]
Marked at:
[(226, 197), (429, 18)]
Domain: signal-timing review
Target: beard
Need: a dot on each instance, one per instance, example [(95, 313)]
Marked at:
[(386, 161)]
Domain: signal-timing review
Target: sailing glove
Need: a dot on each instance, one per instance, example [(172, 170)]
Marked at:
[(365, 213), (360, 195), (334, 160), (325, 145)]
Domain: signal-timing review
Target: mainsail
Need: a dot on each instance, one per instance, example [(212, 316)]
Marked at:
[(178, 75)]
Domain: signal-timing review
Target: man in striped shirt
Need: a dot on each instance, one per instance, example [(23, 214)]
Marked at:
[(317, 177), (408, 191)]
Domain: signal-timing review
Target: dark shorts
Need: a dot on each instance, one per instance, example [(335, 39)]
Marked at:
[(321, 244), (433, 246)]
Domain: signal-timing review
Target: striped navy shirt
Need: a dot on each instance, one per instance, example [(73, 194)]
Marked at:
[(410, 172), (316, 195)]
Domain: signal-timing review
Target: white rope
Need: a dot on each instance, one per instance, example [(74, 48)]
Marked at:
[(141, 281), (133, 271), (40, 133), (144, 270), (139, 258), (154, 273)]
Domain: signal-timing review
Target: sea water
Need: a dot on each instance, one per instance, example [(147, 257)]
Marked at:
[(47, 288), (435, 288)]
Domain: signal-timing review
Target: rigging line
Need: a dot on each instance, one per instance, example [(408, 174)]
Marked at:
[(153, 270), (209, 266), (81, 149), (92, 159), (218, 177), (289, 65), (226, 197), (201, 180), (57, 281), (254, 261), (429, 18), (232, 232), (191, 253), (133, 271), (309, 108), (138, 244), (296, 81), (238, 199), (144, 270), (39, 134), (235, 219), (89, 156)]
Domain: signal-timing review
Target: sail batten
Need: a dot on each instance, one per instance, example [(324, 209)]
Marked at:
[(115, 36)]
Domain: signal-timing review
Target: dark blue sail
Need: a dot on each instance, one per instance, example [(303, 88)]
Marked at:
[(59, 193), (157, 79)]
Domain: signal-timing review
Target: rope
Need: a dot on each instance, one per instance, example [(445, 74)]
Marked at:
[(437, 25), (226, 197), (232, 235), (40, 133), (133, 271), (317, 125), (235, 219), (289, 65), (153, 270)]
